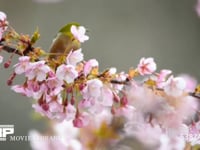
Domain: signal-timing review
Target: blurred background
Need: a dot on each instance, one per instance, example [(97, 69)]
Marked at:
[(121, 32)]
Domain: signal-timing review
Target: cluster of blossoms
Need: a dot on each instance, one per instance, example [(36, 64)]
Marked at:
[(3, 27), (107, 108)]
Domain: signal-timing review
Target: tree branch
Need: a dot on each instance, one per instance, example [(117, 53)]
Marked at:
[(127, 80), (10, 49)]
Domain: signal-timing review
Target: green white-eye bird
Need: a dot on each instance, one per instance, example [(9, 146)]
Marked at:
[(68, 38)]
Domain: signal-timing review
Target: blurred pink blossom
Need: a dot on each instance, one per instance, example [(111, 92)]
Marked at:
[(191, 82), (3, 16), (161, 77), (197, 7), (81, 120), (175, 86), (70, 112), (126, 111), (106, 96), (66, 138)]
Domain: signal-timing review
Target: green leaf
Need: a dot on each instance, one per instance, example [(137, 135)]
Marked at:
[(35, 36)]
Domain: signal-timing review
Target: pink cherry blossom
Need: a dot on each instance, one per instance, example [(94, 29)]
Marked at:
[(69, 139), (66, 73), (30, 89), (126, 111), (191, 82), (112, 71), (106, 96), (70, 112), (38, 70), (142, 98), (45, 142), (20, 89), (35, 89), (62, 141), (174, 143), (162, 76), (97, 106), (73, 144), (104, 116), (1, 59), (143, 131), (85, 103), (89, 65), (56, 110), (43, 109), (79, 33), (54, 85), (76, 93), (35, 143), (92, 89), (146, 66), (3, 16), (175, 86), (74, 57), (186, 108), (23, 65), (52, 110), (3, 23), (64, 127), (191, 133)]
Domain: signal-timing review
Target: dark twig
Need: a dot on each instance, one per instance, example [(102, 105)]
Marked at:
[(194, 95), (16, 51), (10, 49), (120, 82)]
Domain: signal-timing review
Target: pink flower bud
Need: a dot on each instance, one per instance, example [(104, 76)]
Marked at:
[(7, 64), (81, 120)]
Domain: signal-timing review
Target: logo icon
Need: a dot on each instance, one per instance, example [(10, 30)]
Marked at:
[(5, 130)]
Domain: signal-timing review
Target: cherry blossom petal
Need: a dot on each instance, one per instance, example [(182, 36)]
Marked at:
[(175, 86), (93, 89), (74, 57), (23, 65), (79, 33), (89, 65), (1, 59), (66, 73)]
